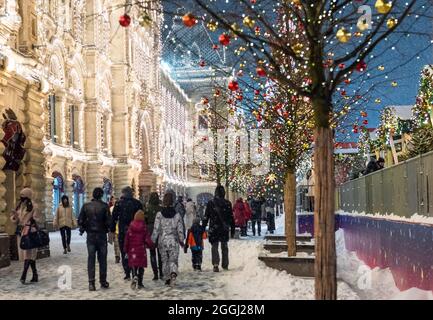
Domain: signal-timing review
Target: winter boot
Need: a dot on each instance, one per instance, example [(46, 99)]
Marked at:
[(105, 285), (24, 274), (35, 277), (92, 286), (140, 281), (127, 277), (69, 248), (216, 269), (65, 251), (173, 277), (134, 283), (155, 276), (198, 267)]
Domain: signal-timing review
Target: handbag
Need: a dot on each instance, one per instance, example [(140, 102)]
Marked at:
[(34, 239)]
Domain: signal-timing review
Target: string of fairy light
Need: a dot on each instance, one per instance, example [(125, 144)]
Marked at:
[(346, 34)]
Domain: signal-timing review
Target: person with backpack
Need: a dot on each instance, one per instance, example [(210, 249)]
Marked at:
[(123, 213), (219, 215), (194, 241), (26, 216)]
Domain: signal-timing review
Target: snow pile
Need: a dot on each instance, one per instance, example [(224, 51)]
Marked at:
[(254, 280), (415, 218), (370, 284)]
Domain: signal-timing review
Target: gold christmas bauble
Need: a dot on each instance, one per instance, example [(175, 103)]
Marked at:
[(343, 35), (391, 23), (383, 7), (249, 22), (212, 25)]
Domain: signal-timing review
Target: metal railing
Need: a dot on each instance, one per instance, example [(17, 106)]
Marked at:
[(403, 190)]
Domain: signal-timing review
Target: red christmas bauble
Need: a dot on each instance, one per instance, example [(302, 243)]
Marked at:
[(261, 72), (361, 66), (224, 39), (233, 85), (125, 20), (189, 20)]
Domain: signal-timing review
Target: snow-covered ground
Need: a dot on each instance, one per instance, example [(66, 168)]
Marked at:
[(371, 284), (247, 278)]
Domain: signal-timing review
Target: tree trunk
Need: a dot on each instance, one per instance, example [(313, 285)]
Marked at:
[(324, 215), (290, 212)]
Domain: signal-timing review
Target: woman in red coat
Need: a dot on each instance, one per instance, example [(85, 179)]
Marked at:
[(240, 215), (137, 239)]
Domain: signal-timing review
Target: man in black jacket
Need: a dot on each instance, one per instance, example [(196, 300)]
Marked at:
[(256, 208), (95, 220), (219, 214), (123, 213)]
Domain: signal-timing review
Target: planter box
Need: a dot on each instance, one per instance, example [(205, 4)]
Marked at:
[(4, 250), (296, 266), (279, 246)]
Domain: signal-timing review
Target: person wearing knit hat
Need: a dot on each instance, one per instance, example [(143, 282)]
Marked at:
[(25, 216), (123, 213), (194, 240), (137, 239)]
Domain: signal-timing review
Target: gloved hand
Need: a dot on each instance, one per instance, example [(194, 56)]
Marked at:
[(185, 249), (81, 232)]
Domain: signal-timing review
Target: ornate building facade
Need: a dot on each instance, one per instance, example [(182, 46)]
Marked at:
[(86, 95)]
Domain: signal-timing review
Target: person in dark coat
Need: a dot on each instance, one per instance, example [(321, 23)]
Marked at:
[(137, 239), (219, 215), (150, 213), (256, 207), (123, 213), (194, 241), (95, 220)]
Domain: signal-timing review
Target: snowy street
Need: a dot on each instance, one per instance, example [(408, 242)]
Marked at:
[(247, 278)]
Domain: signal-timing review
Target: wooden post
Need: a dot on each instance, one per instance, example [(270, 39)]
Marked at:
[(290, 212)]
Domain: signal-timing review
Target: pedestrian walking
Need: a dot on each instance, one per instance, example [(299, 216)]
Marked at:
[(155, 256), (190, 213), (240, 215), (256, 219), (219, 215), (270, 216), (114, 238), (168, 232), (123, 214), (26, 216), (64, 220), (95, 220), (137, 239), (194, 241)]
